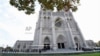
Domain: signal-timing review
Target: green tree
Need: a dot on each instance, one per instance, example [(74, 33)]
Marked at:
[(28, 5), (8, 48)]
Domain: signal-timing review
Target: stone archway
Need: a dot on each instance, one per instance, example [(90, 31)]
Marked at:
[(60, 42), (77, 43), (46, 43)]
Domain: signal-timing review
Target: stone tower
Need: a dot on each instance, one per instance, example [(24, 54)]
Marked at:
[(57, 30)]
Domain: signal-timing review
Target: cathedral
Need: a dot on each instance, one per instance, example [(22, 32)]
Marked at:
[(54, 31)]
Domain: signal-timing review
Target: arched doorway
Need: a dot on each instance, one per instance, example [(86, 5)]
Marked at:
[(60, 42), (77, 43), (46, 44)]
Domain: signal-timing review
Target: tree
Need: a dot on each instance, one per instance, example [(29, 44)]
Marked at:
[(8, 48), (28, 5)]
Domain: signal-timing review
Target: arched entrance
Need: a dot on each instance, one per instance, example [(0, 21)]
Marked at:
[(77, 43), (60, 42), (46, 44)]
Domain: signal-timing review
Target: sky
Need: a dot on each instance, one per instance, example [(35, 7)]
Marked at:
[(13, 23)]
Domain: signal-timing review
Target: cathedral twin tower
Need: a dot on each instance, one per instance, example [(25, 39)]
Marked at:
[(57, 30)]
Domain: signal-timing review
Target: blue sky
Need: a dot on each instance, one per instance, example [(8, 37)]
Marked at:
[(14, 22)]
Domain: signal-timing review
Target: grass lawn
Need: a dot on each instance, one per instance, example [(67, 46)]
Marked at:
[(89, 54), (86, 54)]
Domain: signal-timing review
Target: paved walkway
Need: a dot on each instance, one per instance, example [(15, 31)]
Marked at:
[(61, 51)]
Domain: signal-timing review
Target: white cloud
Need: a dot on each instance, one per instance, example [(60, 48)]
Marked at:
[(14, 22)]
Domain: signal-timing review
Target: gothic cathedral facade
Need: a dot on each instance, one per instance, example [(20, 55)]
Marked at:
[(57, 30)]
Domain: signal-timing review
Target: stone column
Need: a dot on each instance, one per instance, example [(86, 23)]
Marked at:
[(53, 33), (40, 34)]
